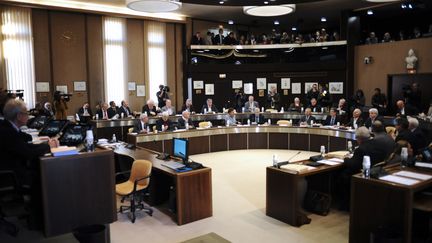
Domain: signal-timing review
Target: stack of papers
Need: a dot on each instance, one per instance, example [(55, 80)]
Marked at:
[(399, 180), (414, 175), (424, 165), (63, 151), (332, 161), (297, 167)]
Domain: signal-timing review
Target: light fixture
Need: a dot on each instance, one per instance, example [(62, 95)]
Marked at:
[(382, 1), (369, 12), (323, 19), (221, 2), (269, 10), (293, 28), (276, 22), (230, 22), (403, 5), (154, 6)]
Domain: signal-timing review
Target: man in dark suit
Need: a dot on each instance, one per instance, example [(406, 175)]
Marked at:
[(197, 39), (185, 119), (403, 132), (124, 108), (142, 125), (382, 140), (314, 105), (164, 124), (333, 119), (85, 114), (373, 116), (105, 113), (257, 117), (113, 109), (307, 119), (250, 105), (356, 121), (405, 110), (419, 137), (208, 107), (219, 38)]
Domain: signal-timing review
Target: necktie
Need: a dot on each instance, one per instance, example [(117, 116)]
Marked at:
[(105, 115), (257, 119), (332, 121)]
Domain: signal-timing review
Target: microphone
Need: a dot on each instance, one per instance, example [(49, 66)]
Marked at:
[(288, 161)]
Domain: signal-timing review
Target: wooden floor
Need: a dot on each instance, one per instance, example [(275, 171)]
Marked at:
[(238, 209)]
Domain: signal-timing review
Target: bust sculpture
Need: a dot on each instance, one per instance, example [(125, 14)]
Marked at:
[(411, 60)]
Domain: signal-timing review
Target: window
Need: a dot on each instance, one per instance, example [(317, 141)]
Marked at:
[(17, 50), (115, 58), (156, 56)]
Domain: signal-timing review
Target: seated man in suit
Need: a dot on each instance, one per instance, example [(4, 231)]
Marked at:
[(20, 155), (307, 119), (403, 132), (333, 119), (184, 122), (85, 114), (419, 137), (209, 107), (230, 118), (251, 104), (124, 108), (405, 110), (356, 121), (113, 109), (150, 108), (105, 113), (164, 124), (142, 125), (188, 106), (373, 116), (257, 118), (296, 106), (314, 106), (382, 139), (168, 108), (48, 110)]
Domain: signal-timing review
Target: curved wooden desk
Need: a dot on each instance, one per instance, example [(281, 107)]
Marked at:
[(247, 137)]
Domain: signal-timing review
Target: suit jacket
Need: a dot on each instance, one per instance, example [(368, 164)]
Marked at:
[(139, 127), (261, 119), (113, 111), (419, 140), (17, 153), (191, 108), (81, 111), (110, 113), (328, 120), (218, 39), (181, 123), (248, 106), (161, 122), (316, 108), (409, 110), (292, 107), (406, 135), (368, 122), (124, 110), (308, 120), (149, 111), (213, 107), (359, 122)]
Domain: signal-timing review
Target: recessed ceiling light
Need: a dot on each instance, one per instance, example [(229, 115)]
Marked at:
[(230, 22), (265, 2), (382, 1), (221, 2), (276, 22), (293, 28), (323, 19), (153, 6), (369, 12), (268, 11), (410, 6)]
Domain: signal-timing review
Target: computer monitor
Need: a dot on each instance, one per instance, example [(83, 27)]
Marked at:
[(181, 148), (74, 135), (53, 127)]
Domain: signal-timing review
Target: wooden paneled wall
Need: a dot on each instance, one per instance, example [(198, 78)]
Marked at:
[(69, 47), (388, 58)]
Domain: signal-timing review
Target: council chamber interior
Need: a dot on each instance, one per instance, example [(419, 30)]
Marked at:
[(216, 121)]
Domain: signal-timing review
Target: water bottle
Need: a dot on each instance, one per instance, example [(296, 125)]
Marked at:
[(148, 129), (302, 110), (269, 121), (89, 141), (248, 122), (275, 161), (205, 110), (404, 157), (243, 109), (97, 116), (322, 150), (312, 122), (187, 126), (114, 139), (262, 109), (322, 109), (227, 123), (338, 124), (366, 166), (350, 147), (122, 115), (282, 110)]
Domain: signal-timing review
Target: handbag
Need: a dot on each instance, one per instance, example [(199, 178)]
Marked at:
[(317, 202)]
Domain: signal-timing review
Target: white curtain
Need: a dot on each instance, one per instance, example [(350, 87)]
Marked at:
[(17, 50), (115, 58), (156, 56)]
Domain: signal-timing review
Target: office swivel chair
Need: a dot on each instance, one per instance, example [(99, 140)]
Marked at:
[(204, 124), (134, 188), (284, 123)]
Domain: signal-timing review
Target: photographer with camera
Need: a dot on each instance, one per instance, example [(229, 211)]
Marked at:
[(162, 95), (60, 105)]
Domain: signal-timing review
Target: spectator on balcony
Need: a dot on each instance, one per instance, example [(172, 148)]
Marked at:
[(312, 93), (219, 38), (242, 40), (401, 35), (372, 39), (209, 38), (417, 33), (253, 40), (285, 39), (323, 35), (387, 37), (379, 101), (197, 39), (335, 36), (358, 99), (230, 39)]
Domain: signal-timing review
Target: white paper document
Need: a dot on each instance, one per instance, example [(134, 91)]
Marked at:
[(424, 165), (338, 160), (328, 162), (413, 175), (399, 180)]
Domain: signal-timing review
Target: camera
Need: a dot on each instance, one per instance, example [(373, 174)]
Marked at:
[(59, 95), (12, 94), (368, 60), (166, 89)]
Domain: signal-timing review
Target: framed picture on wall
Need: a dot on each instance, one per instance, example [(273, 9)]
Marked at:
[(80, 86), (261, 83), (248, 88), (42, 87), (296, 88), (198, 84), (271, 85), (140, 90), (209, 89), (131, 86), (62, 88), (237, 84), (308, 86), (336, 87), (285, 83)]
